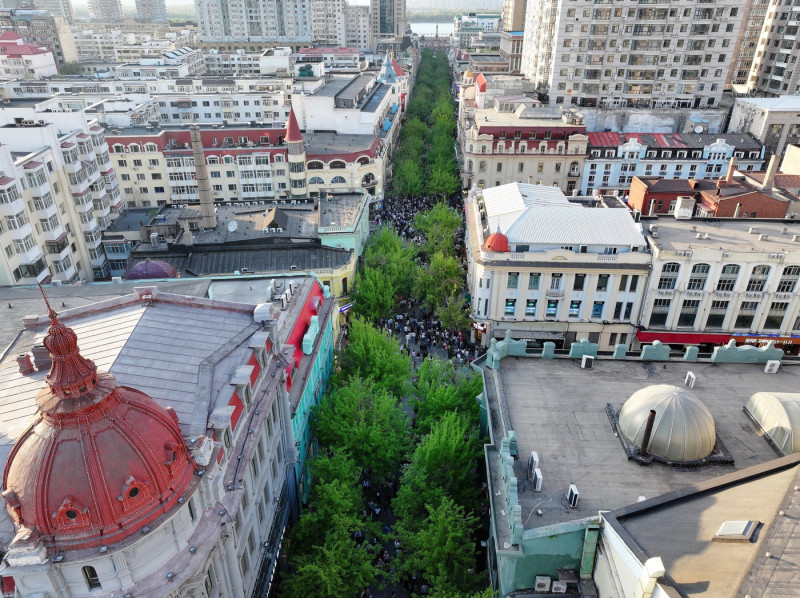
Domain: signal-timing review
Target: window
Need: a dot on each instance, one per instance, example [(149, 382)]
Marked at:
[(555, 282), (727, 278), (669, 276), (597, 309), (658, 316), (623, 282), (513, 280), (499, 167), (92, 580), (533, 281), (602, 282), (617, 310), (716, 315), (688, 312), (788, 281), (758, 279), (511, 306), (747, 312), (530, 307), (697, 281), (580, 279), (574, 309), (634, 283), (552, 308), (775, 315)]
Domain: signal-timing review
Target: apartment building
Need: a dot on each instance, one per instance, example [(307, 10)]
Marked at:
[(270, 21), (58, 8), (172, 64), (59, 192), (151, 11), (40, 28), (22, 60), (546, 269), (514, 15), (327, 22), (357, 26), (615, 158), (648, 56), (232, 64), (105, 10), (722, 280), (744, 53), (388, 24), (774, 69)]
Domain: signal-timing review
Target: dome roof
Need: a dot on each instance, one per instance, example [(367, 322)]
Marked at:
[(98, 462), (497, 242), (149, 269), (683, 429), (778, 415)]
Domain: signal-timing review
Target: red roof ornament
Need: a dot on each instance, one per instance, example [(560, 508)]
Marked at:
[(98, 462), (292, 129), (497, 242)]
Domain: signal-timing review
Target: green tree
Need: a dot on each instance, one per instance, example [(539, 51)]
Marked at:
[(442, 548), (413, 128), (453, 312), (408, 178), (336, 569), (439, 225), (441, 389), (367, 423), (394, 258), (443, 182), (436, 282), (372, 355), (374, 294), (443, 465)]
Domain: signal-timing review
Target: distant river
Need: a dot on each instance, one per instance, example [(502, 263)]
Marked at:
[(445, 28)]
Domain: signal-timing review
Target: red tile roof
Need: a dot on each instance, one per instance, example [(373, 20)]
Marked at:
[(292, 129)]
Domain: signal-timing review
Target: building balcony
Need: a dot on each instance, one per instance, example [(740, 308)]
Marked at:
[(90, 226), (32, 256), (72, 167), (554, 293), (55, 234), (98, 261), (20, 233), (10, 209)]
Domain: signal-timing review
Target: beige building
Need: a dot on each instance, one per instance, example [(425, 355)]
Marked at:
[(774, 69), (773, 121), (546, 269)]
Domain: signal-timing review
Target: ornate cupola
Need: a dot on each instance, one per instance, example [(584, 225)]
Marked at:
[(98, 462)]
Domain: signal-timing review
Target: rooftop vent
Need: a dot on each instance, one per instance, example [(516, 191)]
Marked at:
[(763, 237), (736, 531), (753, 230)]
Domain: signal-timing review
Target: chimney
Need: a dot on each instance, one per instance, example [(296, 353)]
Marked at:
[(736, 212), (731, 170), (652, 207), (769, 178), (41, 357), (648, 430), (209, 219), (25, 364)]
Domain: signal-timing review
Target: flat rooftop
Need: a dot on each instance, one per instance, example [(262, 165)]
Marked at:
[(131, 219), (730, 234), (559, 410), (340, 210), (532, 117), (333, 143), (334, 86)]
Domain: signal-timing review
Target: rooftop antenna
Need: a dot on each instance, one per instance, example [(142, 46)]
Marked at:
[(51, 313)]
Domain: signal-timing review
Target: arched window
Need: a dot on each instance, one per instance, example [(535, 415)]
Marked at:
[(758, 279), (315, 165), (150, 147), (363, 160), (482, 166), (697, 281), (278, 158), (574, 169), (338, 180), (118, 148), (669, 275), (92, 580), (134, 147), (788, 281), (338, 164), (228, 159), (213, 160), (727, 278), (315, 180), (469, 166)]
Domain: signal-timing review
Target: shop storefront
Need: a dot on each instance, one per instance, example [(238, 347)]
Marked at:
[(789, 344)]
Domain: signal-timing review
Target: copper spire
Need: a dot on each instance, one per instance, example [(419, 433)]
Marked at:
[(71, 374)]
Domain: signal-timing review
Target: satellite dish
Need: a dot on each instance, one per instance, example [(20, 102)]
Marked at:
[(232, 226), (698, 129)]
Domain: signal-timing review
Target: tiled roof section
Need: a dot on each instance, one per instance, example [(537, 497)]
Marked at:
[(782, 181), (480, 81), (292, 129), (673, 140), (32, 164), (658, 185), (397, 70), (586, 226)]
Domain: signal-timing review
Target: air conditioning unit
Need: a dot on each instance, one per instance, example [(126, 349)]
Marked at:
[(536, 480), (569, 77), (533, 462), (772, 367), (572, 496), (587, 361), (542, 584)]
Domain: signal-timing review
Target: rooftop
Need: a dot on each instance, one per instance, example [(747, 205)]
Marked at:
[(333, 143), (131, 219), (531, 117), (559, 410), (731, 234), (674, 140), (789, 103)]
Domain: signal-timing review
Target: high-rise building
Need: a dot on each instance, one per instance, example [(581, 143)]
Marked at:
[(754, 12), (327, 22), (774, 70), (388, 21), (358, 33), (105, 10), (644, 56), (151, 11), (514, 15), (269, 21)]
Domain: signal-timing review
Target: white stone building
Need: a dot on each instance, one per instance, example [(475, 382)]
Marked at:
[(21, 60), (189, 490), (58, 193), (636, 56), (546, 269), (728, 279)]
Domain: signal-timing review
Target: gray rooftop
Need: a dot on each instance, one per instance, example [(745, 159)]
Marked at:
[(131, 219), (730, 234), (333, 143), (559, 410), (334, 86)]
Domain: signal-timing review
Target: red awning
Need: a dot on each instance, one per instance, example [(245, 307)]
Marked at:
[(681, 338)]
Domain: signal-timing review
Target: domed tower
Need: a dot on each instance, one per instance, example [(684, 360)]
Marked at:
[(297, 158), (99, 462)]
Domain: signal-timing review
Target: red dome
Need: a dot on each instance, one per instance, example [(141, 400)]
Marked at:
[(99, 462), (496, 242), (150, 269)]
